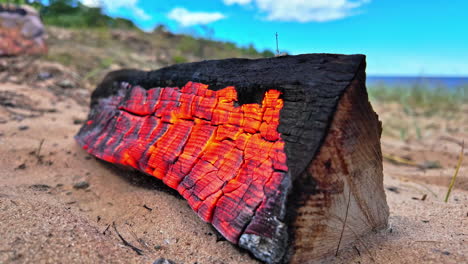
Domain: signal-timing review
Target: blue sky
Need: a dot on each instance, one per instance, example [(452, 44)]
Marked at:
[(399, 37)]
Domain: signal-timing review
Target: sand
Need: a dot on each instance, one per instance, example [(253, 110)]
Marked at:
[(48, 214)]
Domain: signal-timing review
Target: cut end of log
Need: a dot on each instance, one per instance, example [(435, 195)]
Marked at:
[(340, 196), (282, 155)]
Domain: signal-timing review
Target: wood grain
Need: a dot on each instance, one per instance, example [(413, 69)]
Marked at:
[(347, 171)]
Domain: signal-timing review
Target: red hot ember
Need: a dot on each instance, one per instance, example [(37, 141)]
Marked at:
[(223, 158)]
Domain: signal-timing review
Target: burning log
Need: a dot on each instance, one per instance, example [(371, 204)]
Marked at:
[(281, 155), (21, 31)]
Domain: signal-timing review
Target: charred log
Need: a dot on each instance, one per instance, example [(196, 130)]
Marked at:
[(271, 152)]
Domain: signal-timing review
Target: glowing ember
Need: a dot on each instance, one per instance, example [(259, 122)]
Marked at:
[(226, 160)]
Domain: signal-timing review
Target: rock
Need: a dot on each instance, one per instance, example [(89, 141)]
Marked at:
[(81, 185), (163, 261), (22, 166), (21, 31), (40, 187), (44, 75), (77, 121), (66, 84)]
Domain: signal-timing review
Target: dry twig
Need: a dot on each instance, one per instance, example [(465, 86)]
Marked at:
[(125, 242)]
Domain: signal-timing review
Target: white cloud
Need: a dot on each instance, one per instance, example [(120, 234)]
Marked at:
[(305, 10), (113, 5), (141, 13), (187, 18), (90, 3), (240, 2)]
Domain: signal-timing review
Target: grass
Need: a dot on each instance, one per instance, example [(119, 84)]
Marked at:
[(92, 52), (457, 169), (416, 111), (419, 99), (179, 59), (62, 58)]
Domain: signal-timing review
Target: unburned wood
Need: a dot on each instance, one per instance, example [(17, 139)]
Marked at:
[(345, 176)]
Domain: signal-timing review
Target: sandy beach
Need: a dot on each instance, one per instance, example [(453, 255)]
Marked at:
[(58, 204)]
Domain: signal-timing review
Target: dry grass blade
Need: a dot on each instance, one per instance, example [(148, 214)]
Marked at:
[(452, 182), (398, 160)]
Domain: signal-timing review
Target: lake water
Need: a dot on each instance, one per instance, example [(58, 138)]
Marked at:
[(433, 82)]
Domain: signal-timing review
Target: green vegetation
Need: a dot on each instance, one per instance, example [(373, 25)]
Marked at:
[(73, 14), (408, 112), (179, 59), (93, 52), (62, 58), (99, 31), (206, 48), (420, 99)]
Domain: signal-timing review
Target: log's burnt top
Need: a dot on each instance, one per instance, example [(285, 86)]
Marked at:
[(149, 120), (311, 85), (252, 78)]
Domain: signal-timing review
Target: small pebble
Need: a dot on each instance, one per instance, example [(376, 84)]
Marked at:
[(393, 189), (40, 187), (81, 185), (66, 84), (44, 75), (163, 261), (21, 167), (78, 121)]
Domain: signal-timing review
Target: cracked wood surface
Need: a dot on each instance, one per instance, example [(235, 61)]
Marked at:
[(226, 161)]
